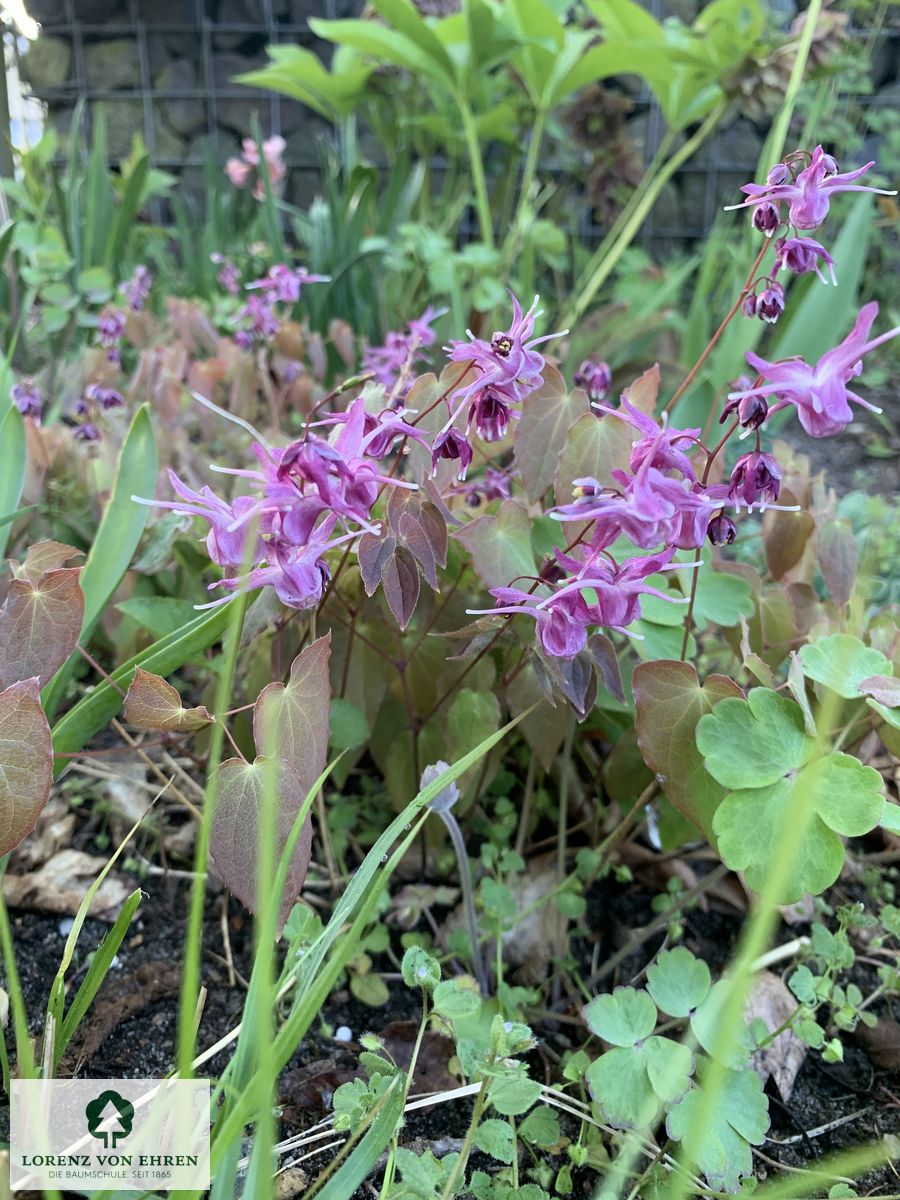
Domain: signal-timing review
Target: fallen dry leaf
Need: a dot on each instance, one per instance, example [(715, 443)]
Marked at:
[(60, 885), (53, 832), (432, 1073), (781, 1060), (881, 1042)]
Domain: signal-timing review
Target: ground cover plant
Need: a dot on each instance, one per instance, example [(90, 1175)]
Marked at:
[(484, 773)]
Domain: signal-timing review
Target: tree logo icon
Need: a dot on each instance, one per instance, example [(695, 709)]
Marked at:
[(109, 1118)]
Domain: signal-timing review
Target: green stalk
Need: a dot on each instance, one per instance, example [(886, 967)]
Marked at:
[(774, 148), (530, 169), (190, 979), (476, 163), (632, 226)]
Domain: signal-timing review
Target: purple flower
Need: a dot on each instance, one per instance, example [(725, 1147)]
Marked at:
[(263, 322), (751, 407), (394, 360), (722, 530), (756, 479), (770, 303), (26, 395), (137, 289), (658, 445), (285, 283), (562, 621), (509, 362), (596, 379), (107, 397), (452, 445), (86, 432), (808, 196), (820, 393), (801, 256), (490, 415), (228, 276), (767, 217), (110, 327)]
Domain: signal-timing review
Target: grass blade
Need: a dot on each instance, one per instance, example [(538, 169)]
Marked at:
[(12, 470)]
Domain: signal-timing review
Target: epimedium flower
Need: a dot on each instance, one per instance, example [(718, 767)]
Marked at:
[(393, 361), (137, 288), (285, 283), (808, 195), (26, 395), (490, 414), (595, 377), (722, 530), (767, 217), (751, 408), (801, 256), (451, 445), (755, 479), (770, 302), (820, 393)]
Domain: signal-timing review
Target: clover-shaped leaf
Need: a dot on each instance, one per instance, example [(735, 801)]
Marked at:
[(623, 1017), (678, 981), (753, 742), (842, 663), (759, 747), (739, 1117), (629, 1083)]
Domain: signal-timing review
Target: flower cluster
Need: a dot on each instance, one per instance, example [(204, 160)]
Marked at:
[(393, 362), (110, 327), (137, 289), (309, 497), (26, 395), (241, 170), (282, 284), (506, 370)]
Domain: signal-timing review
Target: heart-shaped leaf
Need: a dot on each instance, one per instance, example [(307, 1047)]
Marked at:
[(678, 982), (152, 703), (547, 416), (291, 720), (622, 1017), (26, 762), (39, 625), (842, 662), (739, 1117)]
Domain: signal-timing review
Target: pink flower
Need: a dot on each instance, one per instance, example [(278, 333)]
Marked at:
[(820, 393), (808, 196), (756, 479), (238, 172), (285, 283), (801, 256)]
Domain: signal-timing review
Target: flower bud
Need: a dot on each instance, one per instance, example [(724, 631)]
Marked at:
[(829, 162), (595, 377), (87, 432), (770, 303), (767, 218), (778, 175), (490, 416), (748, 307), (722, 530)]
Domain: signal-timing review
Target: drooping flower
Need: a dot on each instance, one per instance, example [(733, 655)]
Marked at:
[(755, 479), (770, 303), (751, 408), (596, 379), (490, 414), (445, 799), (801, 255), (767, 217), (808, 196), (820, 392), (722, 530), (107, 397), (26, 395), (451, 445), (659, 444), (110, 327)]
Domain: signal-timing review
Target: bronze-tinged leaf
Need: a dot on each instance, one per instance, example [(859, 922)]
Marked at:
[(785, 538), (670, 701), (500, 545), (644, 391), (836, 554), (547, 416), (603, 652), (545, 728), (292, 720), (42, 557), (594, 447), (39, 625), (236, 824), (373, 552), (152, 703), (26, 761), (400, 581)]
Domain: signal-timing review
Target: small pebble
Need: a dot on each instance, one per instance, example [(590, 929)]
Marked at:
[(65, 926), (343, 1033)]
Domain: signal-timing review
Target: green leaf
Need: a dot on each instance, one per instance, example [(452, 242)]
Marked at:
[(495, 1138), (349, 727), (621, 1088), (513, 1093), (300, 74), (541, 1127), (721, 599), (669, 1067), (738, 1117), (842, 662), (13, 460), (117, 537), (500, 546), (370, 989), (159, 615), (732, 1047), (456, 999), (386, 46), (753, 742), (593, 448), (622, 1017), (678, 982), (350, 1175)]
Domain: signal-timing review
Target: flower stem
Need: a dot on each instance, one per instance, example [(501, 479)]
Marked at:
[(460, 1165)]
